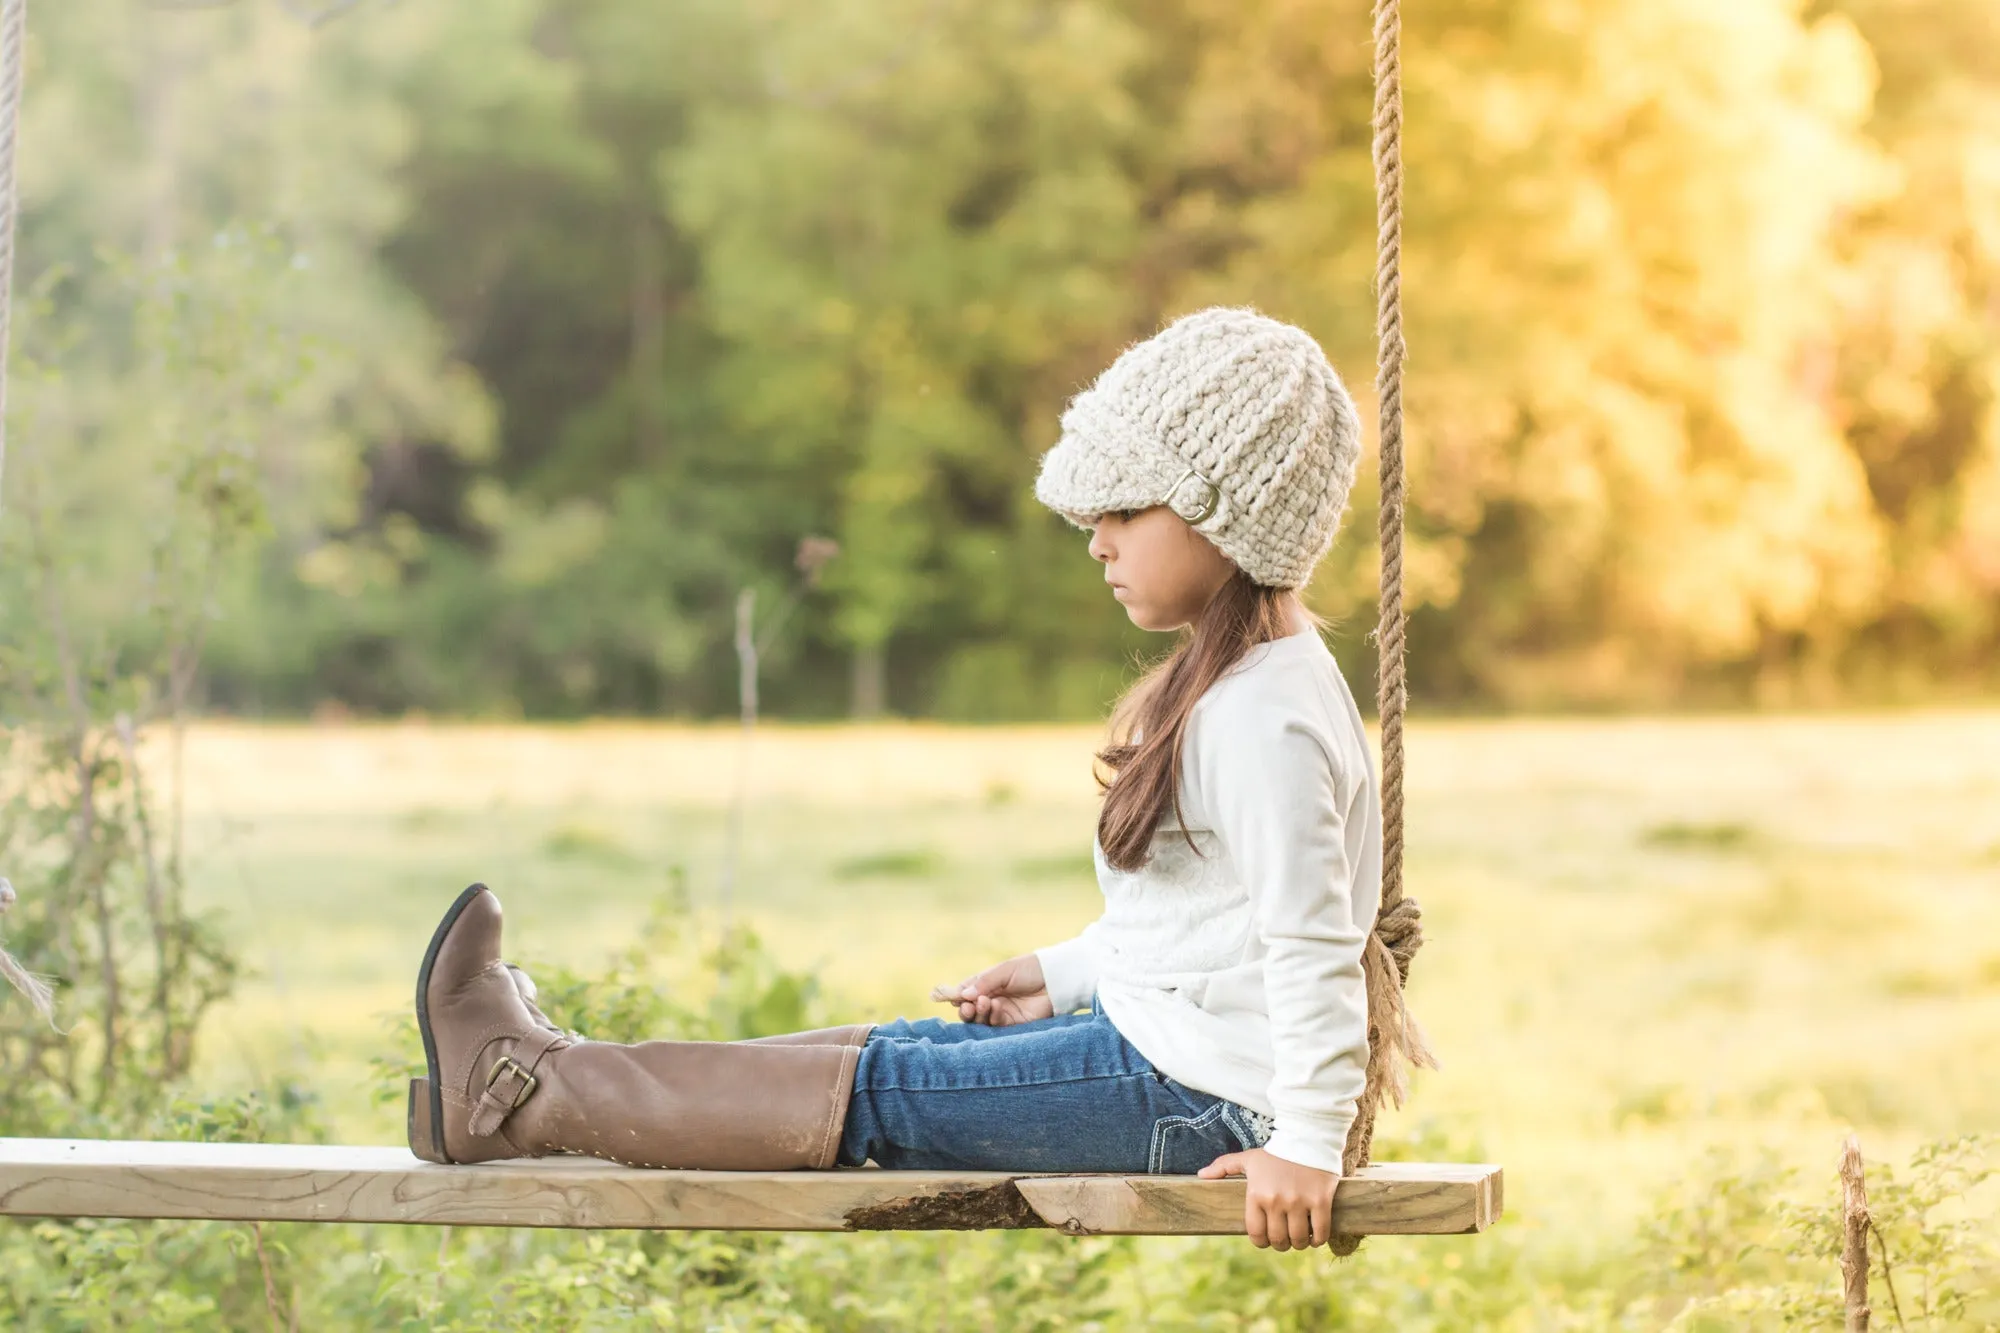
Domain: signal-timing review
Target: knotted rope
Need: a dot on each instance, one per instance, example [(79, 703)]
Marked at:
[(1395, 1043)]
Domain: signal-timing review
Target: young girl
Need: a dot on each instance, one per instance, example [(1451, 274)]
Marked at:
[(1214, 1020)]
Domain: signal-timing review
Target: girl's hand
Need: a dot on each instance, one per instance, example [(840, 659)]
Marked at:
[(1004, 994), (1288, 1206)]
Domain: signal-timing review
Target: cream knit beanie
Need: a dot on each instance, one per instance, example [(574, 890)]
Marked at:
[(1233, 420)]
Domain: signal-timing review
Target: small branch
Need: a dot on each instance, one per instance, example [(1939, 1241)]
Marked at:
[(85, 870), (156, 906), (1888, 1275), (107, 944), (746, 699), (272, 1314), (1855, 1226), (443, 1270), (812, 556)]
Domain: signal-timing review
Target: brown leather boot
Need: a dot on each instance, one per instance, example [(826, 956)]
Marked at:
[(525, 984), (501, 1084)]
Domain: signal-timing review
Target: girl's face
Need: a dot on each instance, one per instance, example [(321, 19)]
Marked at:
[(1159, 568)]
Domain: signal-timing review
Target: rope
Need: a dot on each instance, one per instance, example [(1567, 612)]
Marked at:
[(1395, 1043), (1391, 691), (13, 54)]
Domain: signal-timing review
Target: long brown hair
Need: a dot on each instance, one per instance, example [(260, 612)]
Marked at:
[(1144, 781)]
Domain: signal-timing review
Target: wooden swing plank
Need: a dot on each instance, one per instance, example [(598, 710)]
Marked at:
[(1387, 1199), (309, 1183)]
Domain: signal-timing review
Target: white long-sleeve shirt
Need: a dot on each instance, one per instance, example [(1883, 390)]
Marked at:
[(1238, 972)]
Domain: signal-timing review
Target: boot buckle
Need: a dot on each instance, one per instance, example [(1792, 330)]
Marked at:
[(506, 1064)]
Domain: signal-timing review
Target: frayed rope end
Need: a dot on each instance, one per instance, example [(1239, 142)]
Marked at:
[(36, 990)]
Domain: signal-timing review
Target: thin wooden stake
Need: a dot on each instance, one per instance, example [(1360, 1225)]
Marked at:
[(1854, 1236), (746, 702)]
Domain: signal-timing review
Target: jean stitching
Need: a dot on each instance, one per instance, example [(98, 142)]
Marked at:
[(1232, 1115), (1156, 1157), (873, 1086)]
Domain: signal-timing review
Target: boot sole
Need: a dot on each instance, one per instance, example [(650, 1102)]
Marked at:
[(426, 1113)]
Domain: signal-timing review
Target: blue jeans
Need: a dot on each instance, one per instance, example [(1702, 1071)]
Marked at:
[(1063, 1094)]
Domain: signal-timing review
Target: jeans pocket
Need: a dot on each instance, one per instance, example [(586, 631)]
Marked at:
[(1184, 1144)]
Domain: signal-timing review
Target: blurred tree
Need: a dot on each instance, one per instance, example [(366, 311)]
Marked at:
[(1915, 371), (915, 223), (617, 302), (1621, 254)]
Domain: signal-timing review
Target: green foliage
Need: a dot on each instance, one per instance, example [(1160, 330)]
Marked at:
[(619, 302), (104, 625), (674, 982), (1747, 1247), (1736, 1245)]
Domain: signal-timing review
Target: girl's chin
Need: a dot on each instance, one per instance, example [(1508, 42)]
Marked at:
[(1137, 612)]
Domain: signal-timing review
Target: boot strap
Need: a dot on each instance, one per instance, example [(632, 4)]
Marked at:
[(512, 1080)]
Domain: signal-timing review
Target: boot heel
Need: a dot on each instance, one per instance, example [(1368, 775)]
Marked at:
[(423, 1136)]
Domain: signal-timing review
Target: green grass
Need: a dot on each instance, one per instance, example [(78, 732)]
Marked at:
[(915, 864), (1607, 1007), (1723, 837)]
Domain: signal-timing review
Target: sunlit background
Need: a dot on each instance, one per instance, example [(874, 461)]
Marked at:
[(415, 406)]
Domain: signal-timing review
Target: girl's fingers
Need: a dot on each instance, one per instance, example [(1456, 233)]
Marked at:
[(1300, 1221), (1253, 1226), (1229, 1164), (1322, 1223)]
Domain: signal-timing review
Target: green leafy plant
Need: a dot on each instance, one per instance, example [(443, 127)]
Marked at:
[(104, 627)]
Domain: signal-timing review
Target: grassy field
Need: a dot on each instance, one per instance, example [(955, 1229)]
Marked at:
[(1647, 937)]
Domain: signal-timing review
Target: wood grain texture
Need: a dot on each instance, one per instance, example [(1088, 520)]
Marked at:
[(1387, 1199), (295, 1183)]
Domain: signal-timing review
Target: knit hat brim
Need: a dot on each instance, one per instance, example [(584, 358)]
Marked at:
[(1081, 478), (1230, 419)]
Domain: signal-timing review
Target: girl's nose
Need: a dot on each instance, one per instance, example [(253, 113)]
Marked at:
[(1100, 548)]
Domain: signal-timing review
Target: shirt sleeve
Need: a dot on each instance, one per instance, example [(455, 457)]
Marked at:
[(1272, 789), (1070, 971)]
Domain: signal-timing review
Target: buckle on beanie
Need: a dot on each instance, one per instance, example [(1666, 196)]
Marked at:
[(1211, 496)]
